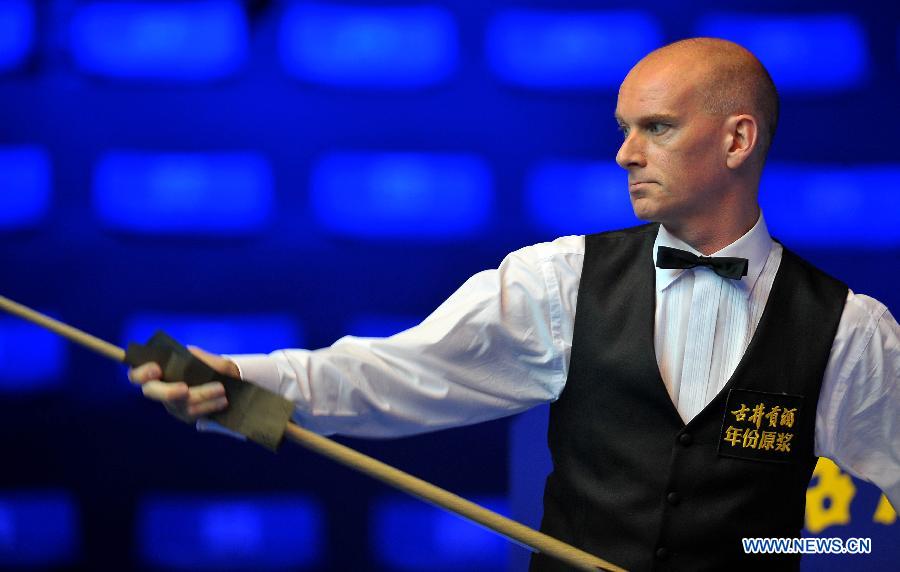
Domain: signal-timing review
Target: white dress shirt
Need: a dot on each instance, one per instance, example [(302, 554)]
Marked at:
[(501, 344)]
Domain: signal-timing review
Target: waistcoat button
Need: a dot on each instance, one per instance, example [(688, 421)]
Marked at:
[(662, 553), (685, 439), (673, 498)]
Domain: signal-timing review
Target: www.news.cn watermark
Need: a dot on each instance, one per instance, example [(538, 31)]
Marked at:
[(807, 545)]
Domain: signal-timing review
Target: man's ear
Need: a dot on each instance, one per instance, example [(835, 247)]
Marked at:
[(742, 139)]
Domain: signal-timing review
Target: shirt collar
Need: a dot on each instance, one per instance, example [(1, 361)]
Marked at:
[(755, 246)]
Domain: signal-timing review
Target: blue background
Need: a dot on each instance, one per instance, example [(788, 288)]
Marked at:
[(257, 174)]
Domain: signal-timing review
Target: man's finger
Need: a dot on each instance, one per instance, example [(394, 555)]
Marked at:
[(205, 392), (166, 392), (144, 373), (207, 407), (216, 362)]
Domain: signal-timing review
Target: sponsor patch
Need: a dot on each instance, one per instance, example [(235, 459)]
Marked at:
[(760, 426)]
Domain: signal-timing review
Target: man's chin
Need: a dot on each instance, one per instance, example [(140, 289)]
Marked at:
[(644, 216), (643, 211)]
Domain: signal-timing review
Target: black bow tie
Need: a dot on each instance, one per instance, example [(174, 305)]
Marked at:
[(724, 266)]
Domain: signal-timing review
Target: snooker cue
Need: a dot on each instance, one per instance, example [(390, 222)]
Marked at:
[(517, 532)]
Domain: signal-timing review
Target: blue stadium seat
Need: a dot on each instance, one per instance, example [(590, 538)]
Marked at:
[(17, 28), (391, 195), (831, 206), (184, 532), (161, 41), (569, 50), (38, 529), (803, 53), (190, 193), (32, 359), (220, 334), (384, 47), (25, 186), (408, 534), (578, 197)]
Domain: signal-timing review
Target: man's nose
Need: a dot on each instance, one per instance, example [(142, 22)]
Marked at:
[(631, 153)]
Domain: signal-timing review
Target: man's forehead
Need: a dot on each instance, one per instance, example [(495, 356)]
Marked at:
[(656, 88)]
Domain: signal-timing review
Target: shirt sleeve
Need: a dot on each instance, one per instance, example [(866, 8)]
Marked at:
[(858, 416), (500, 344)]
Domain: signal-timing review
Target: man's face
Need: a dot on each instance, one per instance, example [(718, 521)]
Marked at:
[(673, 150)]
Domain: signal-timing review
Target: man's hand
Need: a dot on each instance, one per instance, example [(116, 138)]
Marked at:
[(186, 403)]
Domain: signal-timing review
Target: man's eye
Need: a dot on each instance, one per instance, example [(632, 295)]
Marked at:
[(657, 128), (623, 130)]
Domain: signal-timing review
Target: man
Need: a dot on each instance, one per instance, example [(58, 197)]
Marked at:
[(691, 395)]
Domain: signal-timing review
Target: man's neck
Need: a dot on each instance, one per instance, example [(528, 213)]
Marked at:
[(715, 234)]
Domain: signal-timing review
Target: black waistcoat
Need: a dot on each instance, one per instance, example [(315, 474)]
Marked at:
[(631, 482)]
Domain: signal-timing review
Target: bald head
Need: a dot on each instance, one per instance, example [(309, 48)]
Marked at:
[(728, 78)]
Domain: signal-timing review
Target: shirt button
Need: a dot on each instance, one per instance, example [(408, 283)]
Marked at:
[(662, 553), (685, 439), (673, 498)]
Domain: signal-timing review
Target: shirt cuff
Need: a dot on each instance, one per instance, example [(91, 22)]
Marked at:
[(258, 369)]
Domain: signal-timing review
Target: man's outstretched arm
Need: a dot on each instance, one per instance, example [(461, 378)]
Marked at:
[(500, 344)]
